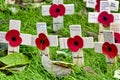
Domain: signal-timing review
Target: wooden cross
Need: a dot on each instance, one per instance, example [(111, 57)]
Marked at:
[(26, 38), (108, 37), (116, 28), (78, 57), (53, 39), (109, 5), (58, 22)]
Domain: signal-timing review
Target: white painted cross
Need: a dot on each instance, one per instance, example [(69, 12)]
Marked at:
[(58, 22), (53, 39), (26, 38), (78, 57), (105, 5), (116, 28), (108, 37)]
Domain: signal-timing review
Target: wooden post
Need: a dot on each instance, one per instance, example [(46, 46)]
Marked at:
[(26, 38), (14, 24), (58, 22), (78, 57), (116, 28), (53, 39), (108, 37)]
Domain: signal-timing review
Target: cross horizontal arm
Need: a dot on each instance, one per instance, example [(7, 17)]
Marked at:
[(69, 9), (53, 40), (26, 39), (2, 37), (98, 47), (93, 16), (88, 42), (45, 10), (63, 43)]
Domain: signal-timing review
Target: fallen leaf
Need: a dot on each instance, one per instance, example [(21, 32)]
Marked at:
[(54, 69)]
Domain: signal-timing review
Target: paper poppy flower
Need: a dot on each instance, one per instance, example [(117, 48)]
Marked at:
[(105, 19), (110, 50), (74, 44), (117, 37), (57, 10), (13, 36), (97, 7), (42, 41)]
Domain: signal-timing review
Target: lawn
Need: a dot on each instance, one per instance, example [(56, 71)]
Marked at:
[(29, 16)]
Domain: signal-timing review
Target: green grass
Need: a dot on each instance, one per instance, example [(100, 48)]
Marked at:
[(35, 71)]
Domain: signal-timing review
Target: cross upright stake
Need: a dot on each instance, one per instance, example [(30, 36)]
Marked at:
[(26, 38), (53, 39), (108, 37), (78, 57), (116, 28), (14, 24), (58, 21)]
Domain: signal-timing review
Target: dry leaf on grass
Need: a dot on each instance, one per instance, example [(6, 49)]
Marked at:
[(54, 69)]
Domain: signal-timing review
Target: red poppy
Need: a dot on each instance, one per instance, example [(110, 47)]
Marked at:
[(13, 36), (117, 37), (109, 49), (97, 7), (42, 41), (74, 44), (57, 10), (105, 18)]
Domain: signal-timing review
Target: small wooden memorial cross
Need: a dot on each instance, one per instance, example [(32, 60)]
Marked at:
[(53, 39), (110, 47), (26, 38), (75, 30), (58, 20), (116, 28)]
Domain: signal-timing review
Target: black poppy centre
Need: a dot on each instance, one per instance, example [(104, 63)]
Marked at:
[(76, 43), (105, 18), (42, 41), (116, 41), (57, 10), (109, 49), (14, 38)]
